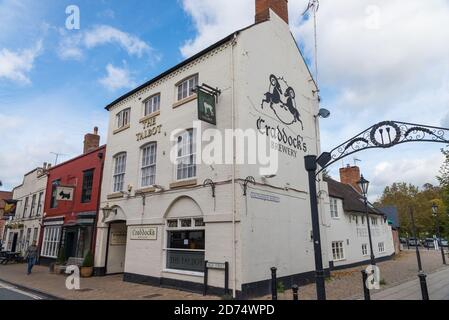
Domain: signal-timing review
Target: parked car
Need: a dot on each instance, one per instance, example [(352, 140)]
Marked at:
[(403, 240), (429, 243), (413, 242), (443, 242)]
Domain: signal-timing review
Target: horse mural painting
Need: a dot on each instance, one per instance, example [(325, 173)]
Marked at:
[(274, 98)]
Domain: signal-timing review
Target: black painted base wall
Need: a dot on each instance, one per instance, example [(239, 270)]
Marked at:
[(361, 263), (249, 290)]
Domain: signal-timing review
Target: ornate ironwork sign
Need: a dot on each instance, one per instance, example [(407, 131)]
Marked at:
[(386, 134)]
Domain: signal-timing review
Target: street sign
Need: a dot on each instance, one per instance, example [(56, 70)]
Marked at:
[(206, 107), (216, 265)]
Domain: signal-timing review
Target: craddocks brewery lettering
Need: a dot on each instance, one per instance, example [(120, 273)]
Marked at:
[(279, 134)]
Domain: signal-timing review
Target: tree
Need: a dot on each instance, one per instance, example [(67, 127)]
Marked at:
[(406, 196)]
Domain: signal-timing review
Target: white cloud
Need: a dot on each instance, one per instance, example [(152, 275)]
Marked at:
[(106, 34), (117, 78), (29, 143), (378, 60), (214, 20), (15, 66), (73, 44)]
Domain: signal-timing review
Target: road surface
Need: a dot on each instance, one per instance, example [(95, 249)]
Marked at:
[(9, 292)]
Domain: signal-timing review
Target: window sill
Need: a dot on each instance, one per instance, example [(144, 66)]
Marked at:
[(184, 101), (151, 115), (145, 190), (339, 260), (184, 272), (183, 183), (121, 129), (116, 195)]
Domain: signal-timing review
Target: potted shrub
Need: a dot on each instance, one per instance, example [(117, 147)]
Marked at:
[(87, 268), (59, 261)]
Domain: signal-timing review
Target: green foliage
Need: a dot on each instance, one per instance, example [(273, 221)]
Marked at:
[(61, 256), (88, 260), (406, 197), (382, 282), (280, 287)]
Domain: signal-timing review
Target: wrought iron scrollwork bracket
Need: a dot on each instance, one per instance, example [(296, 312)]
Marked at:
[(385, 134)]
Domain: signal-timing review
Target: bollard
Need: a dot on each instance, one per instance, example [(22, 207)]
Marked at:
[(423, 283), (274, 287), (295, 289), (365, 288)]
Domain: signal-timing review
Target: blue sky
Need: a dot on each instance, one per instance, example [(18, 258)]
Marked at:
[(378, 61)]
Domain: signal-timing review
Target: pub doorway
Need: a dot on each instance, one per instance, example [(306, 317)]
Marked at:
[(116, 247), (14, 242)]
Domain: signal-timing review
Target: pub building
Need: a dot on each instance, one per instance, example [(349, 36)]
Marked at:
[(71, 204), (164, 213)]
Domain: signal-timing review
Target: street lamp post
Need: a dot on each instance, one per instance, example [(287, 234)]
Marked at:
[(364, 184), (437, 227), (421, 275)]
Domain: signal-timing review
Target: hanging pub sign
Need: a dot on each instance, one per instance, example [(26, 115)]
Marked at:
[(64, 193), (207, 98)]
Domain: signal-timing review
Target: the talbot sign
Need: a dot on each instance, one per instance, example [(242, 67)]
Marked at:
[(150, 128)]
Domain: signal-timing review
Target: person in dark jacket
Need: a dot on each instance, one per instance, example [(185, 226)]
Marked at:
[(31, 256)]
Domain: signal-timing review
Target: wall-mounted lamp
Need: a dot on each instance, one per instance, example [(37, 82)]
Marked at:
[(323, 113), (209, 182), (248, 179)]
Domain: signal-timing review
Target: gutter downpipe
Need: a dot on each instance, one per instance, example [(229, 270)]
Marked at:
[(234, 205)]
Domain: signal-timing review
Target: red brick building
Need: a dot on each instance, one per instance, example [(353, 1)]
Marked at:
[(72, 203)]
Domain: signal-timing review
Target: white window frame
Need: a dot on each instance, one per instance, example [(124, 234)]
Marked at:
[(184, 87), (338, 250), (152, 104), (381, 247), (179, 227), (374, 221), (33, 204), (334, 208), (118, 178), (123, 118), (148, 163), (39, 203), (25, 207), (50, 241), (185, 166), (364, 249)]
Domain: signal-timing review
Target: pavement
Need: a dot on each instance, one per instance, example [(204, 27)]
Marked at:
[(399, 281), (52, 286), (347, 284), (437, 284)]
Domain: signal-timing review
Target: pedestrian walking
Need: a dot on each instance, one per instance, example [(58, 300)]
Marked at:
[(31, 256)]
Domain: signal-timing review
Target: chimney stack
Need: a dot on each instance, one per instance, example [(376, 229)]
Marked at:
[(350, 175), (280, 7), (91, 141)]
